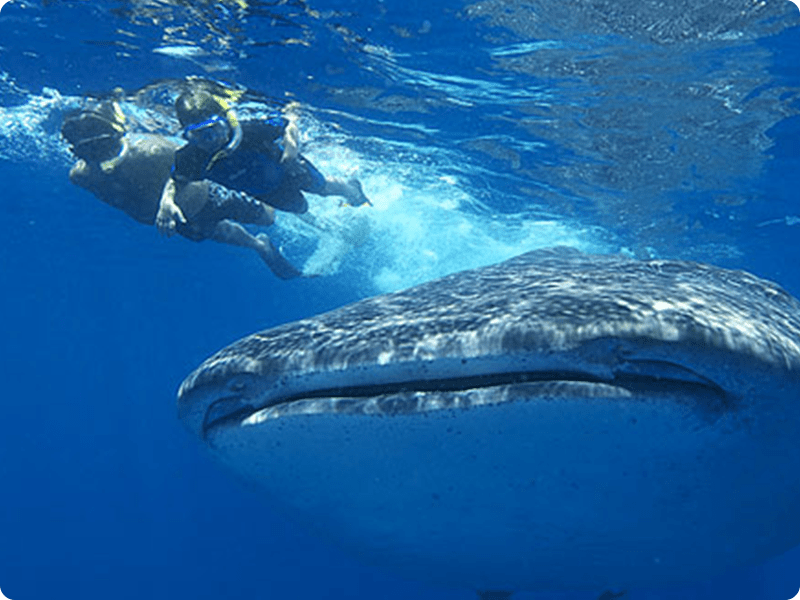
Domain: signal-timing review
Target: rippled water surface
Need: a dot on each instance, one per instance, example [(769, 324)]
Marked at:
[(480, 130)]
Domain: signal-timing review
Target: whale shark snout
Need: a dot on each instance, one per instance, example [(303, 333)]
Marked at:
[(556, 421)]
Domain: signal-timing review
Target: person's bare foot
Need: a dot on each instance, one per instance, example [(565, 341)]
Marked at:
[(276, 262), (357, 196)]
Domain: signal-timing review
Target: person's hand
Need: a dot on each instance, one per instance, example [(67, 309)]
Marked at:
[(169, 214), (291, 143), (289, 154)]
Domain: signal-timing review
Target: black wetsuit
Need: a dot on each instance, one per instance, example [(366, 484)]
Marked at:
[(254, 167)]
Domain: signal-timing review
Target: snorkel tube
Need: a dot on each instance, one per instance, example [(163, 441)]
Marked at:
[(236, 135)]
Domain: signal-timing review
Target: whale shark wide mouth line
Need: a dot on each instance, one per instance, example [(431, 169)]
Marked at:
[(642, 379)]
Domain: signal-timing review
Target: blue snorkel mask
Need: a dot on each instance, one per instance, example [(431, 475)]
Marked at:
[(210, 135), (209, 123)]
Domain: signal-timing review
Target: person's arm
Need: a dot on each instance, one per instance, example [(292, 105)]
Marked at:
[(291, 141), (169, 213), (191, 198)]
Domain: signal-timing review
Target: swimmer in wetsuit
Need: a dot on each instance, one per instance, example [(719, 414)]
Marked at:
[(128, 171), (259, 157)]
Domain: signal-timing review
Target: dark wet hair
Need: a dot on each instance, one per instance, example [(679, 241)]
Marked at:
[(94, 131), (197, 106)]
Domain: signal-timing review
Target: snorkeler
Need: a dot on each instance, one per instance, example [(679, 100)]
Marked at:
[(259, 157), (129, 171)]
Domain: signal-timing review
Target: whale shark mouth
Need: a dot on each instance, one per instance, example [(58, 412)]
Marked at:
[(635, 379)]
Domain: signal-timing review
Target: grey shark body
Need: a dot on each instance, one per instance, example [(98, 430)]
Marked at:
[(557, 421)]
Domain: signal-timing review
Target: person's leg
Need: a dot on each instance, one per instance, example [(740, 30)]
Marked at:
[(230, 232), (287, 197), (351, 190), (258, 213), (238, 206), (311, 180), (267, 215)]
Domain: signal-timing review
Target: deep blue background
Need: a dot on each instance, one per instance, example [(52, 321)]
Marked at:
[(102, 494)]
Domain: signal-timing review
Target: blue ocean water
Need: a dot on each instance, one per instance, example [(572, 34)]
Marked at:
[(479, 129)]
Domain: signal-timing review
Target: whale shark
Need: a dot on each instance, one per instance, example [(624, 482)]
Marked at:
[(558, 421)]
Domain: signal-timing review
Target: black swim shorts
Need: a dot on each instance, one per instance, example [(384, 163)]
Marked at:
[(224, 204)]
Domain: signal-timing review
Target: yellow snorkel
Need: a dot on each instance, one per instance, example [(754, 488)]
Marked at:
[(236, 129), (119, 117)]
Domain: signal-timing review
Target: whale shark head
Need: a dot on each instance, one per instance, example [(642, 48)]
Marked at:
[(556, 421)]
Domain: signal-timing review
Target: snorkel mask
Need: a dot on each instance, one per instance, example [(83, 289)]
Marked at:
[(210, 135), (209, 123), (94, 132)]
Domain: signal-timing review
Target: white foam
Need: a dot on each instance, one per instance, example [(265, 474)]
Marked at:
[(423, 224)]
